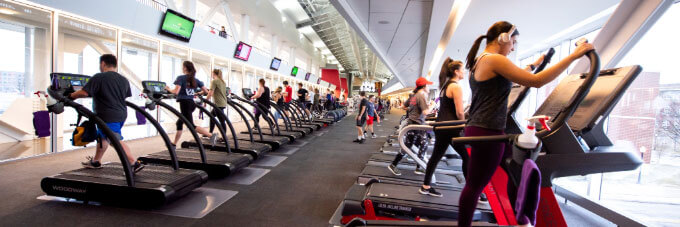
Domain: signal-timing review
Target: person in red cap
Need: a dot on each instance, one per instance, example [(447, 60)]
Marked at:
[(417, 108)]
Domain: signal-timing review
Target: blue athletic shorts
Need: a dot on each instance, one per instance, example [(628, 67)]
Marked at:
[(115, 127)]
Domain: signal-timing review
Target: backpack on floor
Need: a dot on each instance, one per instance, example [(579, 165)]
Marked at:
[(84, 133)]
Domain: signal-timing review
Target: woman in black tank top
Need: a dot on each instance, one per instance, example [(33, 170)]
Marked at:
[(261, 97), (491, 77), (450, 108)]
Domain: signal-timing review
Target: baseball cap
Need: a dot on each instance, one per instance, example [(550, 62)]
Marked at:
[(421, 81)]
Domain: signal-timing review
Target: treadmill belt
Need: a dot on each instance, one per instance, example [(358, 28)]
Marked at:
[(212, 157), (150, 174)]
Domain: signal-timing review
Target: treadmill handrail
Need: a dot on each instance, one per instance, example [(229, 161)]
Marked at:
[(223, 117), (243, 117), (192, 128), (271, 117), (113, 139), (294, 112), (257, 108), (447, 123), (407, 149), (223, 131), (286, 121), (160, 130), (244, 110)]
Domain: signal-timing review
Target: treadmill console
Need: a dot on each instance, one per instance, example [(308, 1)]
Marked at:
[(155, 89), (66, 83), (247, 93), (603, 96), (228, 91)]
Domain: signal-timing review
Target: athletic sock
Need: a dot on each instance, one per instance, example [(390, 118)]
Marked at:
[(359, 137)]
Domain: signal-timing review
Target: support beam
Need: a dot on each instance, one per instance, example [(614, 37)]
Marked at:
[(351, 17), (227, 13), (631, 20), (208, 17), (245, 28), (171, 4)]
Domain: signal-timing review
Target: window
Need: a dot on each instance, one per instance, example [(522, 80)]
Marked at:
[(649, 123), (79, 50), (172, 58), (138, 62), (25, 64)]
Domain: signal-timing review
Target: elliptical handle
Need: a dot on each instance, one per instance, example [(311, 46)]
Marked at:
[(580, 93)]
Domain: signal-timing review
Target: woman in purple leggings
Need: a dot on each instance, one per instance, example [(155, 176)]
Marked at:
[(491, 78)]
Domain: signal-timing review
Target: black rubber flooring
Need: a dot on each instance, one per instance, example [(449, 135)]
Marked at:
[(304, 190)]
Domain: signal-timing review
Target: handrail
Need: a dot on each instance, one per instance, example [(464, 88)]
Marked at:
[(161, 131)]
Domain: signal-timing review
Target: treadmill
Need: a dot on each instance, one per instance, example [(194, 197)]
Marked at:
[(571, 102), (251, 148), (216, 164), (273, 139), (305, 119), (116, 183), (292, 127)]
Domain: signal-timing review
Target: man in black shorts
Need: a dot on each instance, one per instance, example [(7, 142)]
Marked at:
[(361, 118), (108, 90)]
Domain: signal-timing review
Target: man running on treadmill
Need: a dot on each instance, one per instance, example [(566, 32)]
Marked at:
[(108, 90), (303, 97), (287, 96)]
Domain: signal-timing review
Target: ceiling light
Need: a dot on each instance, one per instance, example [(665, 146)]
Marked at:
[(7, 11), (383, 22)]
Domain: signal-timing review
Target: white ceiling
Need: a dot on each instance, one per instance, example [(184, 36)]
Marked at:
[(404, 35), (536, 20)]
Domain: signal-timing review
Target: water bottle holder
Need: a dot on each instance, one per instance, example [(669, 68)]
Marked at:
[(519, 155)]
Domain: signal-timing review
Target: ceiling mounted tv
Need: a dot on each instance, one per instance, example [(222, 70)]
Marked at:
[(275, 64), (177, 25), (242, 51), (307, 76), (294, 71)]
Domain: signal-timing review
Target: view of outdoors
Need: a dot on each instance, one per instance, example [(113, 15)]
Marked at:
[(646, 118)]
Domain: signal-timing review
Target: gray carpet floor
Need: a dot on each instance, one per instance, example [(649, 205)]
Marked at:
[(304, 190)]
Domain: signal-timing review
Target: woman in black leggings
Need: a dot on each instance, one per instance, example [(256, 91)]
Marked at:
[(491, 78), (450, 108), (185, 88)]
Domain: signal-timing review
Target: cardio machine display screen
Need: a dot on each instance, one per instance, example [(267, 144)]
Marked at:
[(154, 86), (606, 89)]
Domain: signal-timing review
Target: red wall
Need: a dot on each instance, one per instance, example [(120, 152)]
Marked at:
[(332, 76), (343, 81)]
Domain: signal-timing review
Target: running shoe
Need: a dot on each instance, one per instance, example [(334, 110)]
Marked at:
[(419, 171), (394, 170), (483, 199), (374, 136), (430, 191), (91, 164), (213, 139), (138, 166)]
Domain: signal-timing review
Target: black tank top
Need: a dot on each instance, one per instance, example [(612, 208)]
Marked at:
[(489, 101), (447, 107), (264, 97), (279, 102)]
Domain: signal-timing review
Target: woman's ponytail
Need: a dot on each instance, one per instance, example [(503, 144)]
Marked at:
[(472, 54)]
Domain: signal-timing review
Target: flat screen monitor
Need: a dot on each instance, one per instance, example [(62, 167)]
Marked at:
[(307, 76), (242, 51), (177, 25), (276, 63), (294, 71)]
